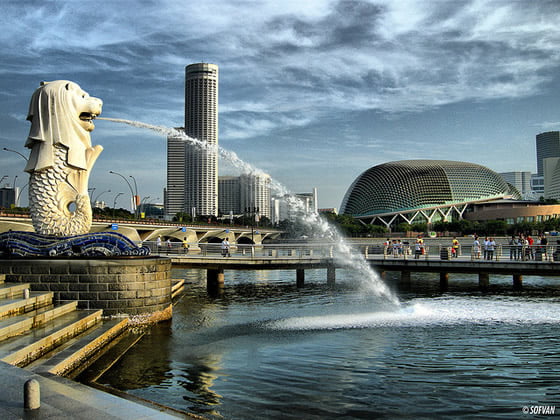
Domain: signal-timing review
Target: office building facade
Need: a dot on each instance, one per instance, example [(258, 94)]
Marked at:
[(255, 194), (192, 166), (548, 146), (520, 180), (229, 195)]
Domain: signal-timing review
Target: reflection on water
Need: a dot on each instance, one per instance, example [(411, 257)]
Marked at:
[(266, 349)]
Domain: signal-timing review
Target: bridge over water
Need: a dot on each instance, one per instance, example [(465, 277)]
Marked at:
[(146, 231), (303, 256)]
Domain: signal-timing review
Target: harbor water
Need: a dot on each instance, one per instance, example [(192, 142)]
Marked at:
[(265, 349)]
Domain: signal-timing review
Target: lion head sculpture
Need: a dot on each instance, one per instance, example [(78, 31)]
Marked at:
[(61, 113)]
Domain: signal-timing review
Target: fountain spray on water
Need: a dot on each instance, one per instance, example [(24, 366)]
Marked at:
[(342, 252)]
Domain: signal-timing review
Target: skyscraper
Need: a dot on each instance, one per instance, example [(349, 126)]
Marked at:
[(255, 194), (548, 145), (192, 170)]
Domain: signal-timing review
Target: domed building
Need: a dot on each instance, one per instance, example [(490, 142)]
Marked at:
[(422, 191)]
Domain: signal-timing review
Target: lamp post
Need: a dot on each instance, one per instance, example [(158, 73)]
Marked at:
[(18, 195), (135, 195), (129, 186), (115, 202), (14, 151), (2, 179), (15, 177), (99, 195)]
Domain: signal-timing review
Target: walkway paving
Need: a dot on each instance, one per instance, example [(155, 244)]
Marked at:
[(64, 399)]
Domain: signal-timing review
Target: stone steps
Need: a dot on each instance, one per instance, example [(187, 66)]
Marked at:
[(17, 325), (12, 290), (112, 355), (47, 338), (15, 306), (22, 350), (77, 353)]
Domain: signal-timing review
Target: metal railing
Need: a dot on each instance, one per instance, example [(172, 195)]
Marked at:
[(499, 252)]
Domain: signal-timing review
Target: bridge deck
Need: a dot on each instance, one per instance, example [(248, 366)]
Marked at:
[(378, 262)]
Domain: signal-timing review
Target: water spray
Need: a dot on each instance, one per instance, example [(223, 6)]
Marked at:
[(344, 255)]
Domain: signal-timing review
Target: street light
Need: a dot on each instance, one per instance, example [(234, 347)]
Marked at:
[(2, 179), (135, 194), (129, 186), (14, 151), (18, 195), (115, 202), (15, 177), (99, 195)]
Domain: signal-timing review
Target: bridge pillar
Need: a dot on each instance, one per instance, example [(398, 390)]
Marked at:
[(483, 280), (214, 278), (443, 281), (331, 275), (300, 277), (517, 281)]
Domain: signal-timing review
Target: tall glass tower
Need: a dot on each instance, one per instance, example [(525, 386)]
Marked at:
[(192, 171), (548, 146)]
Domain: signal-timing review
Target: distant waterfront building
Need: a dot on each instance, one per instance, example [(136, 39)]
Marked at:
[(229, 195), (9, 196), (548, 146), (551, 170), (537, 186), (255, 194), (192, 170), (308, 203), (520, 180), (422, 191)]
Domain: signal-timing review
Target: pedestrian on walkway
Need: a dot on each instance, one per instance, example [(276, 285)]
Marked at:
[(225, 248)]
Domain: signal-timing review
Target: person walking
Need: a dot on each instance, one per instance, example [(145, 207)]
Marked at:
[(158, 245), (185, 246), (225, 248), (476, 248), (491, 247), (455, 247), (513, 248)]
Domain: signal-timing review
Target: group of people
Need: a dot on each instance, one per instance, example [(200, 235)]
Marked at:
[(394, 247), (524, 247), (483, 248), (169, 245)]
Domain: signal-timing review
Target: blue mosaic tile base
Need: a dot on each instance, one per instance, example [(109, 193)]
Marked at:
[(101, 244)]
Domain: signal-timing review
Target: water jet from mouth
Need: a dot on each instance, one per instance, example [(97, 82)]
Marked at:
[(343, 253)]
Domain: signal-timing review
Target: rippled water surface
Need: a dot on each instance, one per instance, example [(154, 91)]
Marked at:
[(266, 349)]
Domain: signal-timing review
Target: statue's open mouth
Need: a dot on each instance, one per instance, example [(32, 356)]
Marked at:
[(87, 116)]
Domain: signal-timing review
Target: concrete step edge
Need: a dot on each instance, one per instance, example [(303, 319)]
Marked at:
[(77, 355), (29, 353), (20, 306), (12, 289), (17, 325)]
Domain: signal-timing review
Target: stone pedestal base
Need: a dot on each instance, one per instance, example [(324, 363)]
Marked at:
[(127, 286)]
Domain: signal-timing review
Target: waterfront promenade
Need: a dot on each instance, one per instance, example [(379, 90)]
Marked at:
[(304, 256)]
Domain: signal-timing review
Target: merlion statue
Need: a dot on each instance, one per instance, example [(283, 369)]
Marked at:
[(61, 157)]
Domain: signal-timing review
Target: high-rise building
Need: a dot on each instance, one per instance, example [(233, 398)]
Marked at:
[(229, 195), (255, 194), (192, 168), (307, 203), (520, 180), (548, 146), (9, 197)]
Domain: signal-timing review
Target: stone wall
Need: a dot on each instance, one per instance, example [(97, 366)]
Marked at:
[(131, 286)]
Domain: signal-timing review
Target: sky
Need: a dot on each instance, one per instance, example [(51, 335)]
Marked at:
[(312, 92)]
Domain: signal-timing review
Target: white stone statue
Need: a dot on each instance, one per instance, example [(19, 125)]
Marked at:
[(61, 158)]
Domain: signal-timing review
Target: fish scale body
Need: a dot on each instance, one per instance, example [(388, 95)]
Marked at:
[(50, 194)]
